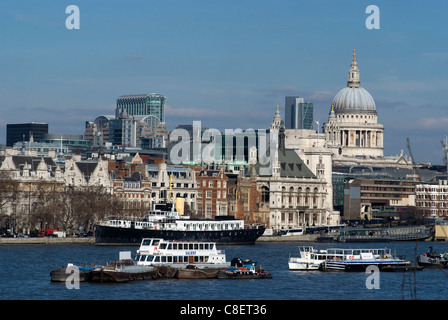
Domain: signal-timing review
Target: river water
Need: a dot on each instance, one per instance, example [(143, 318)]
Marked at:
[(25, 275)]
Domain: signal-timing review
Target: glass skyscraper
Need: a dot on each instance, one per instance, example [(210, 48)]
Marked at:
[(298, 114), (142, 105), (16, 132)]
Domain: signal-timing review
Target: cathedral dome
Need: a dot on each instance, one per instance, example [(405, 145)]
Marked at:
[(353, 98)]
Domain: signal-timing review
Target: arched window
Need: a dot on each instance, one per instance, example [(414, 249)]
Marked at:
[(264, 194)]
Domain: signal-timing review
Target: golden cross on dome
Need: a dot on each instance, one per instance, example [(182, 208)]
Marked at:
[(354, 54)]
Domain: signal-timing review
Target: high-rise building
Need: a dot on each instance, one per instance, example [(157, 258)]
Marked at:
[(141, 105), (16, 132), (298, 113)]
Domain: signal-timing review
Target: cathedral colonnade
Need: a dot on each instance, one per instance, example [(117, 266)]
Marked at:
[(357, 138)]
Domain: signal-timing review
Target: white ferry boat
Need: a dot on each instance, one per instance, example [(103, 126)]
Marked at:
[(180, 254), (165, 223), (360, 259), (309, 259)]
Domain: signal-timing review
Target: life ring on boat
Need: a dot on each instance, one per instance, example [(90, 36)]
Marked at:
[(351, 257), (307, 254)]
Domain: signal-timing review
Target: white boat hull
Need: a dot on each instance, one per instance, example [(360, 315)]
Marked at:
[(295, 264)]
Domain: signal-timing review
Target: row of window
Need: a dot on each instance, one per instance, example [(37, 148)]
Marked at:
[(128, 184), (432, 196), (221, 209), (173, 259), (433, 189), (208, 194), (432, 204), (152, 195), (211, 184)]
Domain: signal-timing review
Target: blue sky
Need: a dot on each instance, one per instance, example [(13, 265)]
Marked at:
[(226, 63)]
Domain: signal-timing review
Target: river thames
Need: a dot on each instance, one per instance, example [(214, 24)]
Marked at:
[(26, 276)]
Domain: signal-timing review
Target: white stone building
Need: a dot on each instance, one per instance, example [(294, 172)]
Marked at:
[(353, 132), (296, 195)]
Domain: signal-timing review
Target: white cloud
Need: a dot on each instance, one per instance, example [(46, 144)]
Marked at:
[(433, 123)]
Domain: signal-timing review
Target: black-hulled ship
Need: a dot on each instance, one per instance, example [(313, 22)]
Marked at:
[(164, 222)]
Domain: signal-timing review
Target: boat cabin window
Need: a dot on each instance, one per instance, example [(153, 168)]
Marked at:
[(144, 257), (174, 246), (146, 242), (155, 242), (168, 259), (163, 246)]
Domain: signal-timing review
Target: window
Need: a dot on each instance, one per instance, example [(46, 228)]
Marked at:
[(208, 194), (210, 184), (208, 212)]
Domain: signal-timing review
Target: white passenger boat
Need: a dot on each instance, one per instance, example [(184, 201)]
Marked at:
[(308, 259), (180, 254), (360, 259)]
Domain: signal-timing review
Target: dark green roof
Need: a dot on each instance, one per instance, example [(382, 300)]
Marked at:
[(291, 165)]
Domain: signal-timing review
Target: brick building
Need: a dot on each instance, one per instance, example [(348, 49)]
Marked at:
[(212, 193), (432, 199)]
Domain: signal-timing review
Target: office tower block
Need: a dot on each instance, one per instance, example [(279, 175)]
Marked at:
[(141, 105), (298, 113)]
